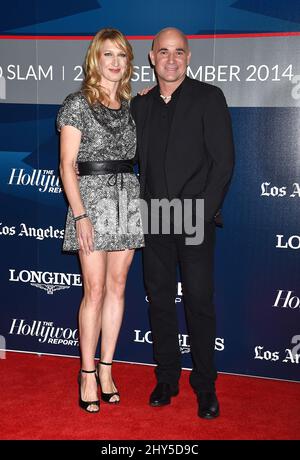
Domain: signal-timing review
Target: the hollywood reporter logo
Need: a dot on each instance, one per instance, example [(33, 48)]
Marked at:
[(44, 179), (285, 299), (45, 332)]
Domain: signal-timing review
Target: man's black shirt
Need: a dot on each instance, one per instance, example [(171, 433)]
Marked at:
[(160, 124)]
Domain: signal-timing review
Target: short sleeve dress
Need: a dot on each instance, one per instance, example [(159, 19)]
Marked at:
[(111, 200)]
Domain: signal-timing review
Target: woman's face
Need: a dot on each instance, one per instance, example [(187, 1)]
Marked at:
[(112, 62)]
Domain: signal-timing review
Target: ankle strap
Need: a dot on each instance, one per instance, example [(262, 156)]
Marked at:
[(88, 372), (106, 364)]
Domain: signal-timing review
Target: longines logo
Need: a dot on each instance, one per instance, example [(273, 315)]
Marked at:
[(45, 332), (285, 299), (291, 242), (47, 281), (31, 232), (44, 179), (183, 340), (269, 190)]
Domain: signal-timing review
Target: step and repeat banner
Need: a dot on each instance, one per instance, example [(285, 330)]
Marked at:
[(257, 290)]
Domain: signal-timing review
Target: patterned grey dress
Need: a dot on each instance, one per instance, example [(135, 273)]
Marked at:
[(111, 200)]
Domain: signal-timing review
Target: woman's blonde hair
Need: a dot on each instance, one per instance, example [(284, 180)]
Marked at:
[(91, 85)]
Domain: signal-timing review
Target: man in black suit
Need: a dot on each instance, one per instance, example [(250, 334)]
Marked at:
[(185, 151)]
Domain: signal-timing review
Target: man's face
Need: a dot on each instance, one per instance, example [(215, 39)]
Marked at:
[(170, 56)]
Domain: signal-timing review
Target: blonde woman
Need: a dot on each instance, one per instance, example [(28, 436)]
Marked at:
[(98, 138)]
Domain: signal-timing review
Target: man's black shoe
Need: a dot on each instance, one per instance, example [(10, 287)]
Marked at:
[(162, 394), (208, 405)]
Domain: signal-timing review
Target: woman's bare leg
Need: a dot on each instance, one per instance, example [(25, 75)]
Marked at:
[(118, 264), (94, 274)]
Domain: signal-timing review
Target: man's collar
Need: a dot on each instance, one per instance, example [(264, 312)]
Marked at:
[(175, 93)]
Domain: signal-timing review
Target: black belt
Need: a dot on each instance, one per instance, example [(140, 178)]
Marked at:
[(112, 167)]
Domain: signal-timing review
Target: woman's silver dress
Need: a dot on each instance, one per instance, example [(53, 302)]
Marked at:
[(110, 200)]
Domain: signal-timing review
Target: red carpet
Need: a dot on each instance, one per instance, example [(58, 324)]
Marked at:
[(39, 401)]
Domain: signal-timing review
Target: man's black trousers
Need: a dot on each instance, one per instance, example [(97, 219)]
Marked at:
[(161, 255)]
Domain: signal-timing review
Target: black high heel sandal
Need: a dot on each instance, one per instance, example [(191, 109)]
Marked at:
[(85, 404), (107, 396)]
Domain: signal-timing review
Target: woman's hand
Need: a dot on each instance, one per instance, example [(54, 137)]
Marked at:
[(85, 235), (76, 170), (146, 90)]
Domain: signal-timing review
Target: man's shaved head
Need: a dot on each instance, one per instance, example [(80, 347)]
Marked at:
[(165, 31), (170, 56)]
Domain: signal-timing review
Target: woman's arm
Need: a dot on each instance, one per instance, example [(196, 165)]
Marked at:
[(69, 146)]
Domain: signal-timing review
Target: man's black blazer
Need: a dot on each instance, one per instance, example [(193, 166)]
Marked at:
[(200, 154)]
